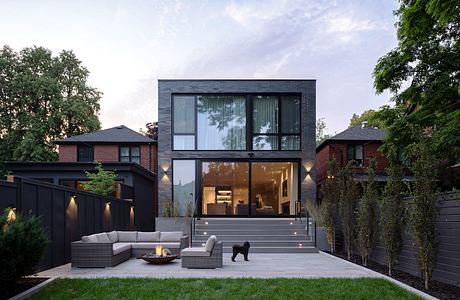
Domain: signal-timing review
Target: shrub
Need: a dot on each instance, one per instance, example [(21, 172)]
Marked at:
[(349, 195), (328, 207), (102, 182), (22, 242), (367, 213), (392, 213), (170, 209)]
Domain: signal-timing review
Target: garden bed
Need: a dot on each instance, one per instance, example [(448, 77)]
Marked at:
[(22, 285), (438, 289)]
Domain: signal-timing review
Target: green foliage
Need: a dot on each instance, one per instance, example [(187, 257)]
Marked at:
[(224, 289), (349, 196), (423, 74), (367, 214), (170, 209), (22, 243), (423, 212), (392, 213), (102, 182), (329, 203), (43, 98), (320, 131), (369, 116)]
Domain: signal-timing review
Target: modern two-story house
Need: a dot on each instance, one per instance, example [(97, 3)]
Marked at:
[(236, 148)]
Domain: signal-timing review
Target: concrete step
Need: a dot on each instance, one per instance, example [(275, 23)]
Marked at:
[(237, 226), (276, 250), (251, 231), (270, 237), (266, 243), (248, 221)]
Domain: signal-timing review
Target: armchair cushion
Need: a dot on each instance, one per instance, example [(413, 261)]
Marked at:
[(113, 236), (120, 247), (102, 237), (89, 239), (210, 243), (195, 251)]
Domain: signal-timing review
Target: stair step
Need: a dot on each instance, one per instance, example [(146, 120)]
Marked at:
[(255, 237), (261, 243), (284, 250), (250, 227), (249, 232)]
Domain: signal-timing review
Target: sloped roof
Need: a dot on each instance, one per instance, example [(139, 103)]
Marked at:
[(118, 134), (356, 133)]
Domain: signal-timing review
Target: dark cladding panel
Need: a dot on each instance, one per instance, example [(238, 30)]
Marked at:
[(58, 227), (29, 198), (45, 207)]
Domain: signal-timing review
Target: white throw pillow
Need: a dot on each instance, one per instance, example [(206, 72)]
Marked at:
[(102, 238), (173, 236), (89, 239), (127, 236), (210, 243), (148, 236), (113, 236)]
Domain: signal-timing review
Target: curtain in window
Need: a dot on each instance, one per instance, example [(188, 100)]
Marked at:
[(265, 114), (290, 114), (221, 122), (184, 114)]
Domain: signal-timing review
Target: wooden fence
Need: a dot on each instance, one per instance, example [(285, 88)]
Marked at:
[(66, 214)]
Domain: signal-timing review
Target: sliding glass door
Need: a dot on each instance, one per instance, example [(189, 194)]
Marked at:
[(258, 189)]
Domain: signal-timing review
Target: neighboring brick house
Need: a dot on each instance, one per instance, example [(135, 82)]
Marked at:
[(117, 144), (358, 143)]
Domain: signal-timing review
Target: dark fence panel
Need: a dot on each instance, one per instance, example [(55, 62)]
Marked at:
[(66, 214)]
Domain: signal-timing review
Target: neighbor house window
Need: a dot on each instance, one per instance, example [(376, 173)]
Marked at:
[(130, 154), (85, 153), (184, 186), (184, 123), (276, 123), (355, 154)]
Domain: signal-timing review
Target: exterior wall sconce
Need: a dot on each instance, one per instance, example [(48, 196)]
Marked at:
[(11, 214)]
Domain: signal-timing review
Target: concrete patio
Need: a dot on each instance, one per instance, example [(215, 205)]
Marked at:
[(305, 265)]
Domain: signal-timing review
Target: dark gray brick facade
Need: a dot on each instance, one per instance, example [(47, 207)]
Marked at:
[(166, 88)]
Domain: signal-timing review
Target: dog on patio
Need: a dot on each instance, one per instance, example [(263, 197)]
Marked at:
[(237, 249)]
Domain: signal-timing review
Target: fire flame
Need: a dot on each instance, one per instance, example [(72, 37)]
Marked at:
[(160, 251)]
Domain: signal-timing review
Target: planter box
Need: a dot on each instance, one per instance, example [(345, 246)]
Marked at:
[(173, 224)]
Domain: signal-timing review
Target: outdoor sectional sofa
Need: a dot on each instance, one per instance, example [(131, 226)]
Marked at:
[(108, 249)]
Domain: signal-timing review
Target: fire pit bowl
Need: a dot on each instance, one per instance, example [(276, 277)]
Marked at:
[(160, 256)]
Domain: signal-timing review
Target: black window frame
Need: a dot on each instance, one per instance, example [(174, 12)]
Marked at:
[(130, 156), (356, 163), (80, 147), (249, 121)]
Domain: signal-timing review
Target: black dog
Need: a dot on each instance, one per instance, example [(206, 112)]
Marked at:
[(241, 249)]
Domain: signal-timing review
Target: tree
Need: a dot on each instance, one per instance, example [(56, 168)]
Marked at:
[(349, 195), (102, 182), (43, 98), (423, 74), (328, 207), (369, 116), (320, 131), (392, 212), (423, 212), (367, 213), (151, 130)]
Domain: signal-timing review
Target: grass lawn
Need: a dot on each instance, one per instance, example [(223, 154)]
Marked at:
[(147, 288)]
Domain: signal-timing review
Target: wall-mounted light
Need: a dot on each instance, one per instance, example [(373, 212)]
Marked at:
[(11, 214), (73, 199)]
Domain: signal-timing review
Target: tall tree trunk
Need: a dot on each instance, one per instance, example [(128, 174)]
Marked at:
[(427, 281), (389, 268)]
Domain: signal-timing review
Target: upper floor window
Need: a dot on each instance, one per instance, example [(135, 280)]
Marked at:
[(276, 123), (355, 154), (130, 154), (218, 122), (85, 153)]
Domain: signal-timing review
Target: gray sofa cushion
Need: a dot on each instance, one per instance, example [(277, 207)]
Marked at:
[(148, 236), (127, 236), (195, 251), (121, 247), (173, 236), (89, 239), (113, 236), (210, 243), (152, 245), (102, 237)]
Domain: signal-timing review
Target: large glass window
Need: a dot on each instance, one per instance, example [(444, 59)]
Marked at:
[(85, 153), (355, 154), (184, 123), (290, 123), (225, 188), (221, 122), (184, 186)]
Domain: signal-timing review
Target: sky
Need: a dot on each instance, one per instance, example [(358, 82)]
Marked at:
[(128, 45)]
